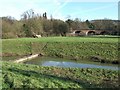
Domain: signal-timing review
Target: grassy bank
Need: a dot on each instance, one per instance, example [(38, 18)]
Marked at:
[(65, 47), (107, 39), (33, 76)]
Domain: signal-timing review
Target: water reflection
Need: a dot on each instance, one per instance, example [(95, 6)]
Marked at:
[(45, 61)]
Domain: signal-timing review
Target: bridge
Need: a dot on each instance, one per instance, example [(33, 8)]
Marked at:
[(90, 32)]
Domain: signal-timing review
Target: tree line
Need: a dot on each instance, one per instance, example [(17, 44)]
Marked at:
[(31, 23)]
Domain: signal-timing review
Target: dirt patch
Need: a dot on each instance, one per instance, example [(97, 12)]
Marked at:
[(97, 59), (9, 54), (41, 54), (102, 60), (13, 54), (115, 62), (0, 54)]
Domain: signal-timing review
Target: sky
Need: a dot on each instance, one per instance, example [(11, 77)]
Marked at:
[(62, 9)]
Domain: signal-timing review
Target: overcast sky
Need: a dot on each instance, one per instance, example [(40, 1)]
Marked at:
[(62, 9)]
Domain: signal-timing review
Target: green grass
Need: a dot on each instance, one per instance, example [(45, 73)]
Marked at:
[(64, 47), (108, 39), (33, 76)]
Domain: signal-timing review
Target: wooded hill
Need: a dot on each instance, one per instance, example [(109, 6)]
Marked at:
[(31, 24)]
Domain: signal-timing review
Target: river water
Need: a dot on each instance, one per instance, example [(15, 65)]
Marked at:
[(58, 62)]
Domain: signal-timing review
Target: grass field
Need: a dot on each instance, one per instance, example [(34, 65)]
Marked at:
[(33, 76), (108, 39), (64, 47)]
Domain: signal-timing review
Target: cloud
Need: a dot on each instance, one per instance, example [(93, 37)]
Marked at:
[(58, 11), (53, 7), (63, 0), (59, 16), (57, 2), (90, 0), (10, 11), (61, 6), (15, 8)]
